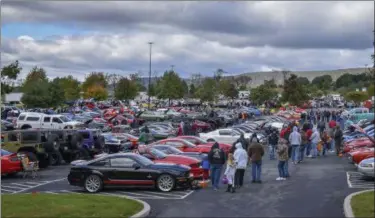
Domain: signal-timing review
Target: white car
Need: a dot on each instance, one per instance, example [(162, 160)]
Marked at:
[(228, 136), (366, 167)]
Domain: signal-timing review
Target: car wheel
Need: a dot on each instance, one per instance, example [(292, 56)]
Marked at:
[(165, 183), (93, 184)]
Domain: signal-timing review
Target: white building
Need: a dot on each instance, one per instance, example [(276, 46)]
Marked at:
[(243, 94), (13, 98)]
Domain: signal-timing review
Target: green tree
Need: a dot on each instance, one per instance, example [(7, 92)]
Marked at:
[(228, 89), (95, 79), (126, 89), (370, 90), (153, 90), (192, 90), (303, 81), (71, 87), (35, 75), (322, 82), (262, 93), (207, 90), (356, 96), (170, 86), (185, 87), (96, 92), (9, 74), (37, 95), (294, 93), (241, 81), (56, 92)]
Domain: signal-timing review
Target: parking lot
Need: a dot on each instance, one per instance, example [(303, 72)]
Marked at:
[(356, 180)]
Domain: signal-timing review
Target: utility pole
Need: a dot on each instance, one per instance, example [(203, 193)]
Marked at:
[(149, 77)]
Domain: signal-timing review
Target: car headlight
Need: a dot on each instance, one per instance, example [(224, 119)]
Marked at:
[(369, 165)]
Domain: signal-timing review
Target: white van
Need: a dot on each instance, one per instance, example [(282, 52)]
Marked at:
[(27, 120)]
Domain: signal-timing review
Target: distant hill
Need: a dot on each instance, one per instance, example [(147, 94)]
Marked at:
[(259, 77)]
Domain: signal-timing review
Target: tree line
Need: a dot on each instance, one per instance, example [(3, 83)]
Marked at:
[(40, 91)]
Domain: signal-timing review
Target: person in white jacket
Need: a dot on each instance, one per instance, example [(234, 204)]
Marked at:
[(240, 158), (295, 140), (230, 172), (315, 138)]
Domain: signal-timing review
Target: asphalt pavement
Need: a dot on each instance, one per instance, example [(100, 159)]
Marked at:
[(317, 187)]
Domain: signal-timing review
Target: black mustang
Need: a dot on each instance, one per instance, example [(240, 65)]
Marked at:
[(128, 170)]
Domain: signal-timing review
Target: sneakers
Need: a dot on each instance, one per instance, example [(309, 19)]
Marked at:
[(310, 156), (280, 178)]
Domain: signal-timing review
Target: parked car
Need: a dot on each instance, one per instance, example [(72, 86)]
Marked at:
[(184, 145), (198, 141), (160, 157), (10, 163), (128, 170), (366, 167), (357, 155), (168, 149)]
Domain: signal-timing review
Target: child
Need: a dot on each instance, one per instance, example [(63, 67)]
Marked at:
[(230, 172)]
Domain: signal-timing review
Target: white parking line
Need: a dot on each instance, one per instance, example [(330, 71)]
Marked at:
[(355, 180), (19, 187), (141, 195), (185, 196), (170, 194)]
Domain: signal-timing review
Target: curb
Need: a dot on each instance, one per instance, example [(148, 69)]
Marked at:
[(348, 212), (144, 212)]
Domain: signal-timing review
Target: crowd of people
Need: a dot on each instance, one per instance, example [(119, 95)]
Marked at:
[(314, 135)]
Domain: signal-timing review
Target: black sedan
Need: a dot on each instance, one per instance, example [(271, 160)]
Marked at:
[(128, 170), (168, 149)]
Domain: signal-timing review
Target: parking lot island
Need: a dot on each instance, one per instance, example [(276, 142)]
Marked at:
[(72, 205), (360, 204)]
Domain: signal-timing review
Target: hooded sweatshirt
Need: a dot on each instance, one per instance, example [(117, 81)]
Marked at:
[(240, 157), (295, 137), (216, 155), (255, 151), (315, 137)]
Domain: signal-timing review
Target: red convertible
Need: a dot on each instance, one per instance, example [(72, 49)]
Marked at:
[(158, 156), (10, 163), (356, 156), (198, 141), (184, 145), (359, 143)]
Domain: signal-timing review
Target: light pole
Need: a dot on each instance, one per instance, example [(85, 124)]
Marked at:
[(149, 77)]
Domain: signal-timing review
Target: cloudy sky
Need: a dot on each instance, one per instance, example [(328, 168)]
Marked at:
[(196, 37)]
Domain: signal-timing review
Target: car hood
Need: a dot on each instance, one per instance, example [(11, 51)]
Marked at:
[(359, 142), (178, 159), (178, 167), (74, 122)]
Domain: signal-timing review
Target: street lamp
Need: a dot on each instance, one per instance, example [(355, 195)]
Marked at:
[(149, 77)]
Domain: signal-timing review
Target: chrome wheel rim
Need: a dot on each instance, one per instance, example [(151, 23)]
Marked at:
[(55, 145), (92, 183), (165, 183)]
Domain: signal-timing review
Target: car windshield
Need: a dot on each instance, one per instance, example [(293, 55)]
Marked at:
[(144, 160), (158, 154), (173, 150), (4, 152), (110, 137), (64, 119), (195, 139)]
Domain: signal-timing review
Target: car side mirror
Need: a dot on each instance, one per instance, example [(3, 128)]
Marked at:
[(136, 166)]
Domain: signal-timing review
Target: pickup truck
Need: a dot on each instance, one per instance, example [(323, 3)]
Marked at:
[(28, 120)]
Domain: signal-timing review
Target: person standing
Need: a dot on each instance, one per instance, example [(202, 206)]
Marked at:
[(230, 173), (338, 140), (315, 138), (304, 143), (282, 151), (273, 138), (295, 141), (240, 159), (216, 158), (256, 153), (331, 130)]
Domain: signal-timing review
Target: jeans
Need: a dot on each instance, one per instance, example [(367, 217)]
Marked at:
[(256, 170), (332, 146), (301, 152), (286, 168), (308, 148), (314, 149), (325, 148), (238, 177), (215, 174), (271, 149), (281, 168), (295, 151)]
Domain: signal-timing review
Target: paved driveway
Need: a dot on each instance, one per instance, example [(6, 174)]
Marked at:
[(317, 187)]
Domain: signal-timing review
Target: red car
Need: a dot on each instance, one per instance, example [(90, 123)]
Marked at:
[(198, 141), (158, 156), (356, 156), (360, 143), (200, 126), (10, 163), (184, 145)]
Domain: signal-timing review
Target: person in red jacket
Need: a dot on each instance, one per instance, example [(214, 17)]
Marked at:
[(332, 124), (308, 146)]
